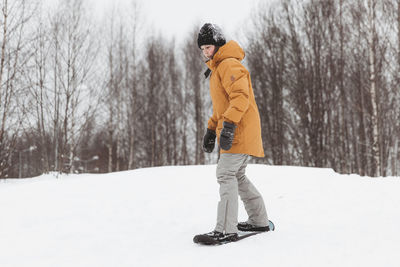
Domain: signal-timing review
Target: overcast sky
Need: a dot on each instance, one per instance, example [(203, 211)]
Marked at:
[(177, 17)]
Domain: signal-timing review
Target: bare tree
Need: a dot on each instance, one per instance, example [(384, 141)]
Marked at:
[(155, 55), (267, 63), (13, 59), (194, 68), (74, 51), (326, 67), (372, 73), (132, 79), (122, 86), (38, 80)]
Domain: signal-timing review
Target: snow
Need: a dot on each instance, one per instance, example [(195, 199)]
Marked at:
[(148, 217)]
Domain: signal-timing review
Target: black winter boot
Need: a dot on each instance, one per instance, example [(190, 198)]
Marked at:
[(215, 238), (247, 227)]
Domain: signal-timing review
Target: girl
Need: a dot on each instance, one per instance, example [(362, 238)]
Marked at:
[(236, 123)]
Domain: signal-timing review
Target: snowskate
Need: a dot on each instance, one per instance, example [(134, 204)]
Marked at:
[(245, 230)]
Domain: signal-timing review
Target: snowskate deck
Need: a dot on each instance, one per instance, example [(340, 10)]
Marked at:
[(243, 235), (208, 241)]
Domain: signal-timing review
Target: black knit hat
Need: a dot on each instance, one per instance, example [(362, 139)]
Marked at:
[(210, 34)]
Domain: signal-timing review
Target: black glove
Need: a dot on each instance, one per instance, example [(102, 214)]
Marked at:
[(209, 141), (227, 134)]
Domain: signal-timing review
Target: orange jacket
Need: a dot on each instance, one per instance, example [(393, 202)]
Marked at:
[(233, 100)]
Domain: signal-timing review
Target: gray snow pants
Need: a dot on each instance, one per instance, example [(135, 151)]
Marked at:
[(233, 182)]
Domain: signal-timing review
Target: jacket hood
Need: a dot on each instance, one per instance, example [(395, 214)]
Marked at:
[(230, 50)]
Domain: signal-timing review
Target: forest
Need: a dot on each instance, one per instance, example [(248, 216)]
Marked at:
[(82, 96)]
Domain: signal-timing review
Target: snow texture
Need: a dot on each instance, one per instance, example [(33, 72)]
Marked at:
[(148, 217), (218, 36)]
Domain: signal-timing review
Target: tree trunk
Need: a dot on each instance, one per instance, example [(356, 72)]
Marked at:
[(372, 78)]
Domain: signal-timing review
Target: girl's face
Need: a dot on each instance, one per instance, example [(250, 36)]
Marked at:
[(208, 50)]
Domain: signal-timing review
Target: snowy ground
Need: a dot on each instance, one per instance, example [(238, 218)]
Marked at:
[(148, 217)]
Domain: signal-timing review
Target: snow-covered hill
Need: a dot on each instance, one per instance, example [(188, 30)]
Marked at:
[(148, 217)]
